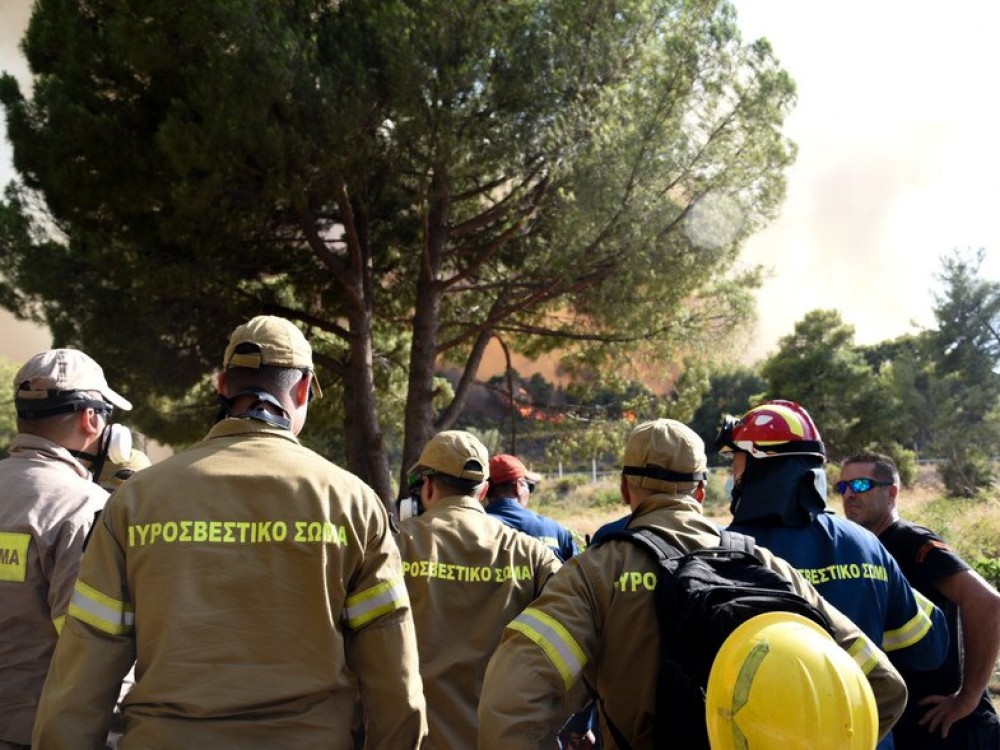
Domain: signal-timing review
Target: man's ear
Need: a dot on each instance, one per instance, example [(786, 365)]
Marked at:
[(300, 392), (699, 492), (893, 495), (89, 422), (221, 383), (624, 489)]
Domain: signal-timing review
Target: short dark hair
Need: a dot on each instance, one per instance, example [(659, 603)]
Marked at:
[(462, 486), (504, 489), (885, 468)]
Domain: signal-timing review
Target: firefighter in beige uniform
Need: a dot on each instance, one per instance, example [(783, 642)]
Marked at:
[(595, 624), (250, 579), (468, 575), (48, 505)]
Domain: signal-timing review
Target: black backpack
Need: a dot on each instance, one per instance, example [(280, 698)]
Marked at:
[(701, 597)]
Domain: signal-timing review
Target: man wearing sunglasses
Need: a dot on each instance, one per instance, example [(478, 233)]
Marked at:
[(948, 707), (779, 498)]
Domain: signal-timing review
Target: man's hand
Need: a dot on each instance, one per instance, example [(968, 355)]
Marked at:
[(946, 710)]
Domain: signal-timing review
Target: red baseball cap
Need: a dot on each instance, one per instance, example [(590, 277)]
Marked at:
[(506, 468)]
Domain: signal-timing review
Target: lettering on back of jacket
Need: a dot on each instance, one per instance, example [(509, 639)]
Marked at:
[(236, 532)]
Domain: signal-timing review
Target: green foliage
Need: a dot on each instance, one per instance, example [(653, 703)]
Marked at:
[(968, 474), (407, 180), (988, 568), (966, 389), (730, 393), (8, 415), (819, 367)]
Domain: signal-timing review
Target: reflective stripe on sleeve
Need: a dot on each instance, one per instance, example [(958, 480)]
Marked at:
[(863, 653), (915, 629), (374, 602), (104, 613), (58, 623), (563, 651)]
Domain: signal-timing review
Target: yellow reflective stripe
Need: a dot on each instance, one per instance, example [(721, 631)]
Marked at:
[(104, 613), (863, 653), (374, 602), (912, 631), (564, 653), (58, 623)]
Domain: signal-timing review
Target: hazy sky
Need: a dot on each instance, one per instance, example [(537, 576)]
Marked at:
[(899, 157), (898, 165)]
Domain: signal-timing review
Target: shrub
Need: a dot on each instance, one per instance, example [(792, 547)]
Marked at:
[(968, 474), (988, 568)]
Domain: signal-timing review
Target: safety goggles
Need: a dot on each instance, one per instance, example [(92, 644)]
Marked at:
[(860, 485), (416, 480)]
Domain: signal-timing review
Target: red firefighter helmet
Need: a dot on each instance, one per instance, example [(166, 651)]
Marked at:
[(772, 429)]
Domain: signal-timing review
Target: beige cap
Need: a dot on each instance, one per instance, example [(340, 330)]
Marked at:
[(62, 370), (274, 342), (113, 474), (457, 454), (663, 453)]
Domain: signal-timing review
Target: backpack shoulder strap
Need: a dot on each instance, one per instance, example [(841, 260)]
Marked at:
[(737, 541), (653, 540)]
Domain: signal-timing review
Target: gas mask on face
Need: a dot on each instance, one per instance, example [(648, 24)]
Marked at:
[(115, 445), (411, 506)]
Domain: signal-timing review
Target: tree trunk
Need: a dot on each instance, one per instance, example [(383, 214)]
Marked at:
[(419, 424)]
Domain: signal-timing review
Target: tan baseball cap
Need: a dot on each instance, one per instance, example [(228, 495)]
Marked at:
[(61, 370), (663, 453), (457, 454), (268, 340)]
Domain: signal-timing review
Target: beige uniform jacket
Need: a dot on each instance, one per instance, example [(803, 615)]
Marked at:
[(47, 506), (249, 578), (468, 575), (596, 620)]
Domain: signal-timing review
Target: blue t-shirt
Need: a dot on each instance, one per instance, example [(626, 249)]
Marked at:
[(552, 534)]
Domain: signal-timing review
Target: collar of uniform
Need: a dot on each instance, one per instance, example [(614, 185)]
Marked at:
[(668, 502), (502, 503), (26, 445), (233, 426), (444, 504)]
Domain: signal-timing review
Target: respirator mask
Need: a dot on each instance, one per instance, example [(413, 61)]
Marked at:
[(115, 446), (411, 506)]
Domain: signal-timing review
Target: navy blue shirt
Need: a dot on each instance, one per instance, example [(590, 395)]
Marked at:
[(552, 534)]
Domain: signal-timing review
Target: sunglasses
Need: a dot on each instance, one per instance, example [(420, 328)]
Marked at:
[(860, 485)]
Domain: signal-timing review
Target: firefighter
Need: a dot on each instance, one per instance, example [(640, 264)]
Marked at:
[(468, 576), (779, 498), (255, 584), (64, 407), (595, 626)]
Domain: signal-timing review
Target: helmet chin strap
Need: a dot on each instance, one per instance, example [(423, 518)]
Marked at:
[(257, 410)]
